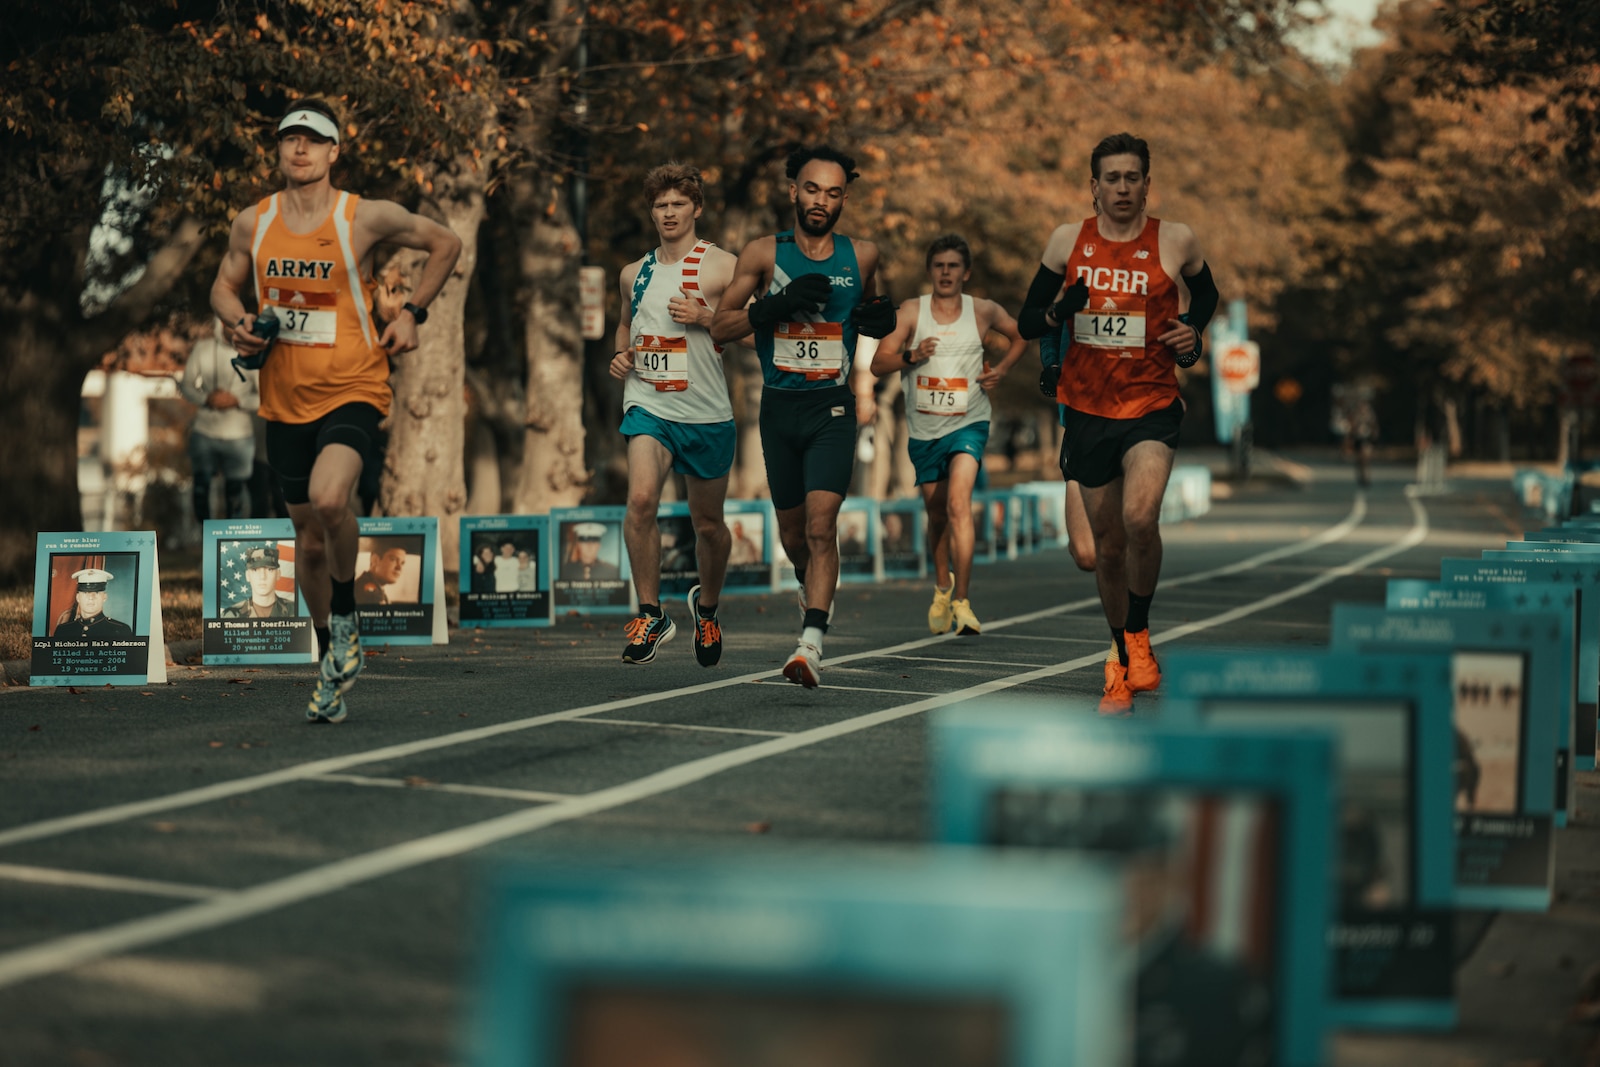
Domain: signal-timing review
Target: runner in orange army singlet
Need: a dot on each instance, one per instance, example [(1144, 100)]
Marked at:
[(1120, 300), (303, 255)]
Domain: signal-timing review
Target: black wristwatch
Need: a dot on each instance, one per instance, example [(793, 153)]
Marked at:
[(418, 314)]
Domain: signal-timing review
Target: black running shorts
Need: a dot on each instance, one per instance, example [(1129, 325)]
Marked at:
[(1092, 447), (293, 447), (808, 437)]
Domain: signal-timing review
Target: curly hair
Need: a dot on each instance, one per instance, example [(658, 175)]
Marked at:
[(827, 153), (680, 177)]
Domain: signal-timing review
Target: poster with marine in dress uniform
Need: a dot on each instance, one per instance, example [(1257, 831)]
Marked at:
[(250, 605), (97, 610), (593, 574)]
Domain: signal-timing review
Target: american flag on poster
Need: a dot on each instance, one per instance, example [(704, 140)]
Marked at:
[(1233, 898), (232, 586)]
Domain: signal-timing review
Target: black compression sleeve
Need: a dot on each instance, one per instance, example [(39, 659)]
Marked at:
[(1041, 294), (1202, 298)]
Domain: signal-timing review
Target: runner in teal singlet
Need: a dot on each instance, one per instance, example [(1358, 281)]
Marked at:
[(816, 293)]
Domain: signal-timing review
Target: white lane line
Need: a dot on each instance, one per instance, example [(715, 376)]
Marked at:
[(64, 953), (686, 726), (1054, 640), (54, 876), (224, 790), (536, 796), (870, 689), (973, 662)]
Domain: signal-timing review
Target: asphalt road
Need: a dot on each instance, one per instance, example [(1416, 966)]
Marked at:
[(191, 875)]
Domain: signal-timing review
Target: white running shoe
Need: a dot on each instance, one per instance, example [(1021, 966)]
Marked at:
[(805, 666)]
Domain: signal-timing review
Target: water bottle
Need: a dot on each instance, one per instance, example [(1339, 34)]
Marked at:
[(266, 327)]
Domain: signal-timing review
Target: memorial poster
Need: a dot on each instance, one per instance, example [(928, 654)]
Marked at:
[(97, 610), (251, 609), (505, 570), (400, 582), (592, 573)]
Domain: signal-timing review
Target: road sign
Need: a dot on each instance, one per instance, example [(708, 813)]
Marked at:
[(1239, 366), (1580, 380)]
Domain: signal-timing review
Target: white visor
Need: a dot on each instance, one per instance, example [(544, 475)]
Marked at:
[(315, 121)]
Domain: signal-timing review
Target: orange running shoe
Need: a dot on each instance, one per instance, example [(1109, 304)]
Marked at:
[(1143, 674), (1118, 698)]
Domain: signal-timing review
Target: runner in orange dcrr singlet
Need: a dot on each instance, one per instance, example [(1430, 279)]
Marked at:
[(1130, 297), (304, 253)]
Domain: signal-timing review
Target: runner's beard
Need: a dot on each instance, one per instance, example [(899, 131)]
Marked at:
[(814, 229)]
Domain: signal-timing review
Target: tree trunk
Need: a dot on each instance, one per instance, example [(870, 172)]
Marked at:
[(553, 472), (423, 471), (39, 438), (46, 348)]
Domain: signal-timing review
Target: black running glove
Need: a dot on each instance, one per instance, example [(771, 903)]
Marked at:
[(1189, 359), (874, 318), (809, 292), (1073, 300), (1050, 356)]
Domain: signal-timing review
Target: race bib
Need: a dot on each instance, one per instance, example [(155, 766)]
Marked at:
[(815, 349), (663, 362), (941, 396), (306, 318), (1114, 328)]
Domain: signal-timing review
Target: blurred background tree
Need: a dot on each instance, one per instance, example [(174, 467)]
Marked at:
[(1419, 218)]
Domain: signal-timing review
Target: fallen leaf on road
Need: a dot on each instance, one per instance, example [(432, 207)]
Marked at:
[(417, 781), (214, 744), (757, 827), (163, 827)]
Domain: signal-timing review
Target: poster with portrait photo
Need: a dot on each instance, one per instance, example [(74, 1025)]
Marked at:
[(680, 570), (902, 535), (1220, 840), (250, 607), (1047, 502), (592, 573), (97, 610), (983, 529), (1024, 535), (505, 570), (1393, 884), (400, 582), (752, 552), (1505, 731), (1577, 566), (858, 540), (1201, 874), (1560, 602), (672, 960), (1000, 515)]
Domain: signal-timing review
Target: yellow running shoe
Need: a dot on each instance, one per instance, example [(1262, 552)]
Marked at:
[(965, 622), (939, 614)]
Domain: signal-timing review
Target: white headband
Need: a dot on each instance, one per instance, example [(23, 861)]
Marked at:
[(315, 121)]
